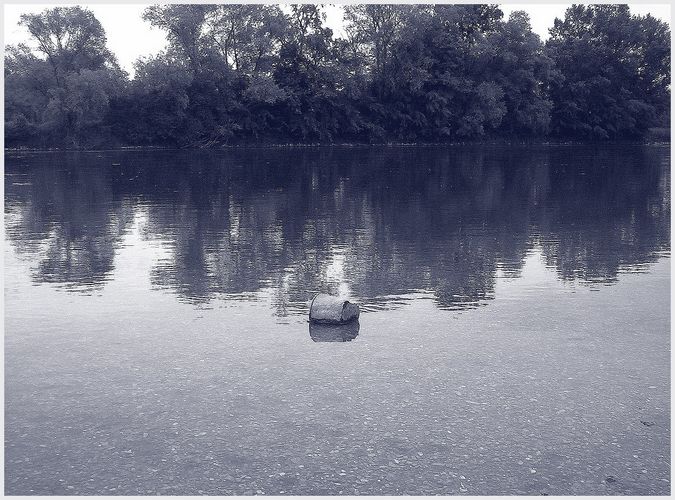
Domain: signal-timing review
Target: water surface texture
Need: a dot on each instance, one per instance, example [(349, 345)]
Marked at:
[(514, 335)]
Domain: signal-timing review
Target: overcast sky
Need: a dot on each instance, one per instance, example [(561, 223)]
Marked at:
[(129, 37)]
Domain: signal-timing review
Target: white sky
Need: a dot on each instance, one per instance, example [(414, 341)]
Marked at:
[(129, 37)]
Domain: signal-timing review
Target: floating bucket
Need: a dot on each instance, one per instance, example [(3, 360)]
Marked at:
[(331, 310)]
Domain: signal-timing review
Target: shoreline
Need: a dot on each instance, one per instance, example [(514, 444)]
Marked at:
[(341, 145)]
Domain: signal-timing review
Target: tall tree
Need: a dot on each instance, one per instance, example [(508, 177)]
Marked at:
[(184, 26), (71, 38), (374, 28), (83, 77), (248, 36), (306, 71), (615, 72), (513, 57)]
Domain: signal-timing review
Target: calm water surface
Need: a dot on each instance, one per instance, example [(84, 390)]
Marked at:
[(514, 335)]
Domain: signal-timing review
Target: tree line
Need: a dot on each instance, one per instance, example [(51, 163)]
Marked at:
[(242, 74)]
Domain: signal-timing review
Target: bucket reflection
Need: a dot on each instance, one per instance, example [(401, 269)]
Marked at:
[(334, 333)]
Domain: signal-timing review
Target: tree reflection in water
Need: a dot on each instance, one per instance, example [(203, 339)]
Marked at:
[(383, 222)]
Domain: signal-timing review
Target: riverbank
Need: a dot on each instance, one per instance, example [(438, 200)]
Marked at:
[(350, 145)]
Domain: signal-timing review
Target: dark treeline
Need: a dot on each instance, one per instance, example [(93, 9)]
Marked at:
[(235, 74)]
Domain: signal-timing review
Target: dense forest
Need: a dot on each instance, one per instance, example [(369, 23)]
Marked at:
[(242, 74)]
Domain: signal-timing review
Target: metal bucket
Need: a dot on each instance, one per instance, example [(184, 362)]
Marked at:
[(332, 310)]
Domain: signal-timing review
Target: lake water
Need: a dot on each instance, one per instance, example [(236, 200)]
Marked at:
[(514, 335)]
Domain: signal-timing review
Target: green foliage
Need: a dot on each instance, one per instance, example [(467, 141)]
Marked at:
[(61, 98), (183, 25), (71, 38), (614, 71), (513, 57), (239, 73)]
